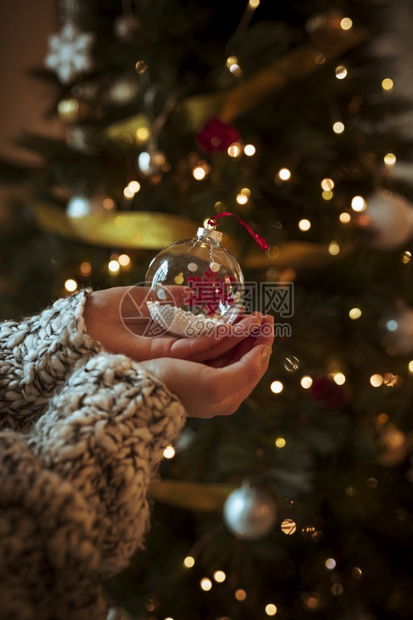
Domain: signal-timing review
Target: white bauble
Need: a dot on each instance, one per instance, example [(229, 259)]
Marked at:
[(250, 512), (389, 217)]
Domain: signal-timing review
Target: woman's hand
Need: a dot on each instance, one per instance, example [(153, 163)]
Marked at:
[(218, 387), (118, 318)]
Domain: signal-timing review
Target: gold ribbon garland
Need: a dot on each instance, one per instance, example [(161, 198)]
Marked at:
[(124, 229), (191, 495), (154, 231)]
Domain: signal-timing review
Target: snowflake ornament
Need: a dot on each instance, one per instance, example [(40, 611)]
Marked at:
[(69, 52)]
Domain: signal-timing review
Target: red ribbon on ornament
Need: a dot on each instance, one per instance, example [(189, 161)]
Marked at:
[(260, 241)]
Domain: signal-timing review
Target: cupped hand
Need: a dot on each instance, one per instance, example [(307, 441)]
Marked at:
[(119, 319), (219, 387)]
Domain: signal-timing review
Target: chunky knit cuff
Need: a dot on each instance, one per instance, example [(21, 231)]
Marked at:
[(36, 356), (105, 432), (74, 492), (48, 544)]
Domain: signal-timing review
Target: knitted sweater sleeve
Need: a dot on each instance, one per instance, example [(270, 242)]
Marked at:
[(74, 492), (36, 356)]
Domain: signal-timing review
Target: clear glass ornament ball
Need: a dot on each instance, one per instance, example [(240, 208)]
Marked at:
[(195, 285)]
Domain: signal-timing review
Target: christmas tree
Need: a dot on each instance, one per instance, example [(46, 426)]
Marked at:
[(299, 505)]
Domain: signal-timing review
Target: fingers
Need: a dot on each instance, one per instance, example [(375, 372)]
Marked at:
[(263, 334), (228, 387), (219, 342), (205, 391)]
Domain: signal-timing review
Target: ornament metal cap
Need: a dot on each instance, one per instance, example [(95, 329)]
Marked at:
[(216, 235)]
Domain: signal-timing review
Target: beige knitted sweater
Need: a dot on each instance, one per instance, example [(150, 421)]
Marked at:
[(82, 433)]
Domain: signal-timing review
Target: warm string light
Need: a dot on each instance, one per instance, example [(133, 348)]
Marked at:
[(206, 584), (346, 23), (70, 285), (304, 225), (200, 170), (355, 313), (243, 196), (234, 150), (390, 159), (131, 189), (338, 127), (387, 84), (116, 262), (189, 561), (341, 72), (334, 248), (327, 185), (276, 387), (344, 217), (233, 66), (124, 260), (406, 257), (358, 204), (219, 576), (284, 174), (169, 452), (271, 609), (113, 266), (306, 382), (280, 442), (338, 377)]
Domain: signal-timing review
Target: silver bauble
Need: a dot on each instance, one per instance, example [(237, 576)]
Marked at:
[(250, 512)]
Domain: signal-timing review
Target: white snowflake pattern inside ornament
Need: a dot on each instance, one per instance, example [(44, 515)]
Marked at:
[(69, 53)]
